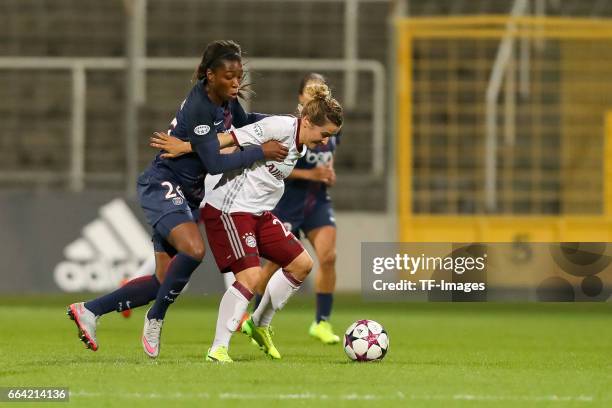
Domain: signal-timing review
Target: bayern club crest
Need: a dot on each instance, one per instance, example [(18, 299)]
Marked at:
[(249, 239)]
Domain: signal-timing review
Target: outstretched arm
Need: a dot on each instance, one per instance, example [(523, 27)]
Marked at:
[(175, 147), (217, 163)]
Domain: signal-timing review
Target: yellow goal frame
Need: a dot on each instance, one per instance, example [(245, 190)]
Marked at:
[(496, 228)]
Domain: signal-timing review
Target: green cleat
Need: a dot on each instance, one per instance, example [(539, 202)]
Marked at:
[(247, 328), (323, 331), (219, 355), (262, 336)]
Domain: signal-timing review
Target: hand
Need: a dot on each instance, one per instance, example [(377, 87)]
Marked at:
[(332, 177), (275, 151), (323, 174), (173, 146)]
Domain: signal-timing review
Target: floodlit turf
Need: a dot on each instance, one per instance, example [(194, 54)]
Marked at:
[(440, 355)]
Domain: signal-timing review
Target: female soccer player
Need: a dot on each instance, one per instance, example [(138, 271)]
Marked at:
[(306, 206), (170, 191), (241, 227)]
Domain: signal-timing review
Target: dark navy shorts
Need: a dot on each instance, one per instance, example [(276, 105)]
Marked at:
[(322, 214), (164, 206)]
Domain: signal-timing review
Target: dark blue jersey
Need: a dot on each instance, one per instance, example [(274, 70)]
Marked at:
[(300, 192), (198, 121)]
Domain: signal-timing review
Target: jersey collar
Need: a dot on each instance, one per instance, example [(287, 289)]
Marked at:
[(302, 152), (297, 136)]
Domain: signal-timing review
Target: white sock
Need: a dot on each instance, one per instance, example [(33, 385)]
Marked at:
[(228, 279), (233, 305), (280, 288)]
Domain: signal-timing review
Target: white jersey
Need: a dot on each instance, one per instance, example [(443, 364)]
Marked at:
[(260, 187)]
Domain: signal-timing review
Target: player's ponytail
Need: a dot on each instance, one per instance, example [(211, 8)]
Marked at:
[(307, 80), (317, 90), (321, 107), (311, 78)]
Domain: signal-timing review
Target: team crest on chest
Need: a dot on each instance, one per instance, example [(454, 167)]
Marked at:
[(250, 240)]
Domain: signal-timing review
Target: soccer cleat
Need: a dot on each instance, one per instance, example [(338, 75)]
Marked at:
[(262, 336), (151, 335), (323, 331), (246, 316), (219, 355), (86, 322), (246, 329)]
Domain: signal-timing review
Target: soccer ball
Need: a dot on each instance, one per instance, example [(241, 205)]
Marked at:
[(366, 340)]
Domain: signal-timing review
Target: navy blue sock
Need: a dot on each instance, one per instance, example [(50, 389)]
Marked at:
[(324, 306), (258, 298), (137, 292), (179, 271)]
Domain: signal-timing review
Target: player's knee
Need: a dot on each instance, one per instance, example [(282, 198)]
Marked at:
[(327, 260), (303, 265), (195, 250), (250, 278)]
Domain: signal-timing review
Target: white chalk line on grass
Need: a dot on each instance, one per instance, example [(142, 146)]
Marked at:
[(317, 396)]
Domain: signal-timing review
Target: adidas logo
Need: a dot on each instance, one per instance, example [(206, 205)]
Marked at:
[(111, 249)]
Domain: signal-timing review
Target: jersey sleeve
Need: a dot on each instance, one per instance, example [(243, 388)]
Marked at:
[(203, 138), (257, 133), (242, 118)]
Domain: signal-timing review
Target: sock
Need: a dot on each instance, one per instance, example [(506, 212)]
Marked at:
[(278, 291), (324, 306), (258, 298), (179, 271), (234, 304), (137, 292), (228, 279)]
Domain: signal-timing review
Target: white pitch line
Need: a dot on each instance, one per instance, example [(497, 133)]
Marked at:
[(315, 396)]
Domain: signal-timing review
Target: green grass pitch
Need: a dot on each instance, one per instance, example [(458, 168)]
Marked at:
[(477, 354)]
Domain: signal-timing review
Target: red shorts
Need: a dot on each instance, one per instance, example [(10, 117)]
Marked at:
[(237, 240)]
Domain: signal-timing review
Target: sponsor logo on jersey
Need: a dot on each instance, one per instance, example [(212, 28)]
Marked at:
[(218, 123), (110, 250), (178, 201), (278, 174), (318, 158), (201, 129), (249, 240)]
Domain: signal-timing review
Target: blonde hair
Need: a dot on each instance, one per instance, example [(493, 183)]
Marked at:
[(322, 107)]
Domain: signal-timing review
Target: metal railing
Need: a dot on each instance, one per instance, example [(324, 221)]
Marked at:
[(79, 67), (503, 61)]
